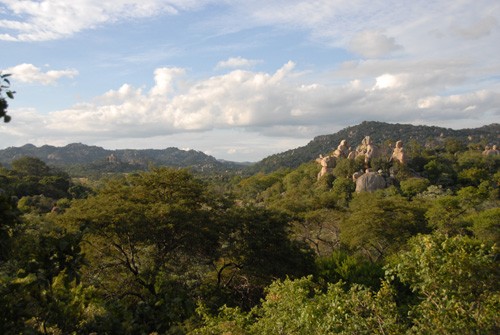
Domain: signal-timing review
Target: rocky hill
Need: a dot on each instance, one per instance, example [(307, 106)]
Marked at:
[(81, 159), (78, 158), (381, 133)]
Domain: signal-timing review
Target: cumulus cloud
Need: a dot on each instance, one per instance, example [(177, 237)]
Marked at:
[(237, 62), (386, 81), (164, 80), (29, 73), (34, 20), (412, 62), (273, 104), (252, 106)]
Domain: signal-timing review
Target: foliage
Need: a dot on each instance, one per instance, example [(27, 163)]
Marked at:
[(454, 280), (156, 231), (300, 307), (168, 252), (320, 229), (417, 139), (9, 219), (341, 266), (4, 87), (486, 225), (379, 225), (457, 282), (35, 204), (41, 270), (255, 251), (448, 214), (413, 186), (31, 176), (440, 171), (346, 167)]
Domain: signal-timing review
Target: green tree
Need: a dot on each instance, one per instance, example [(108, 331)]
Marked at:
[(486, 225), (456, 281), (9, 219), (449, 213), (378, 225), (472, 176), (440, 171), (43, 257), (343, 189), (31, 176), (252, 187), (36, 204), (30, 166), (256, 249), (453, 145), (413, 186), (149, 240), (320, 229), (4, 88), (340, 266), (300, 307), (345, 168)]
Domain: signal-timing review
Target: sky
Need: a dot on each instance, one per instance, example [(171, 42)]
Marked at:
[(243, 79)]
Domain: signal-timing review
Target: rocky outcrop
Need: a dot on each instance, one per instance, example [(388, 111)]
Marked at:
[(327, 165), (493, 151), (398, 154), (369, 181)]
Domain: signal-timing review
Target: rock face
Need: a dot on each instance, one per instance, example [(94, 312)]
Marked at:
[(369, 181), (372, 151), (493, 151), (342, 150), (398, 154), (327, 164)]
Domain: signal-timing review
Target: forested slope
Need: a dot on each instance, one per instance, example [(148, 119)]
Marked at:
[(384, 134), (164, 251), (82, 160)]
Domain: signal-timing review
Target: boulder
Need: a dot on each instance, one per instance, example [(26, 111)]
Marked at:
[(369, 182)]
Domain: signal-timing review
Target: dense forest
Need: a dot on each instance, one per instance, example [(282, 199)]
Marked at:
[(171, 251)]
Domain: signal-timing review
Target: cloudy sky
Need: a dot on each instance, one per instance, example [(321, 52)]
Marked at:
[(243, 79)]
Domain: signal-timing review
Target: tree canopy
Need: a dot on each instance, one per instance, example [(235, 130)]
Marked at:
[(167, 251)]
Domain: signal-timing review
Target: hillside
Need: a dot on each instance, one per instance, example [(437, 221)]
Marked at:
[(381, 133), (79, 158)]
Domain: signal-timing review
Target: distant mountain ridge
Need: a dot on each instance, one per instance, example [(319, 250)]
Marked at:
[(380, 132), (81, 158), (86, 158)]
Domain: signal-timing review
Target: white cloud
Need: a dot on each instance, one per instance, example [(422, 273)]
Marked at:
[(373, 44), (421, 62), (164, 79), (375, 29), (386, 81), (29, 73), (478, 29), (237, 62), (274, 104), (255, 105), (53, 19)]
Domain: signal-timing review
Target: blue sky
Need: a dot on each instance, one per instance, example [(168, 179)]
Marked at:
[(241, 80)]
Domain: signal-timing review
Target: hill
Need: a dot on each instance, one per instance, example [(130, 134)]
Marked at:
[(81, 159), (381, 133)]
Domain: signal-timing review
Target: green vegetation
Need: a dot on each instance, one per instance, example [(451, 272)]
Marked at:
[(166, 251), (4, 89)]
